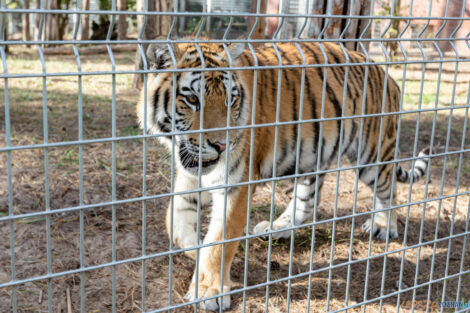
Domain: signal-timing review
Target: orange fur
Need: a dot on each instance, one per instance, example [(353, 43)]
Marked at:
[(321, 85)]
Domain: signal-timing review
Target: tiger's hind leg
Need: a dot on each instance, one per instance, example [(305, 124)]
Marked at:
[(379, 224), (305, 201)]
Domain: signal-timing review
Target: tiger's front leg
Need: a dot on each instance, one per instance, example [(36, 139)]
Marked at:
[(209, 278), (184, 208)]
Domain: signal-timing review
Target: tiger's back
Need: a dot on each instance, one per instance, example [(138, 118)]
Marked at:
[(322, 98)]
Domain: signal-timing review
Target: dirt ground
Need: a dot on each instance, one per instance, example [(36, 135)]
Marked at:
[(429, 262)]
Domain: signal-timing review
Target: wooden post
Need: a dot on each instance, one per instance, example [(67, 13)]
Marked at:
[(85, 34), (122, 25), (25, 20)]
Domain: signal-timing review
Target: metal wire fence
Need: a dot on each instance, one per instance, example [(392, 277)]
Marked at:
[(58, 216)]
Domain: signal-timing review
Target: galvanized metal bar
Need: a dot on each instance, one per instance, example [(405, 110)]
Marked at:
[(391, 194), (274, 171), (80, 160), (415, 145), (431, 274), (402, 94), (359, 154), (234, 14), (319, 157), (294, 40), (250, 165), (266, 67), (173, 165), (199, 166), (47, 207), (113, 161), (297, 159), (11, 226), (449, 129), (141, 52), (464, 245)]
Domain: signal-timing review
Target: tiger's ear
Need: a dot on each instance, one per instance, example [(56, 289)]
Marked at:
[(236, 49), (159, 56)]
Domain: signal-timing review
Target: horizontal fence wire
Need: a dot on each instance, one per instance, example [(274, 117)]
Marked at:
[(433, 266)]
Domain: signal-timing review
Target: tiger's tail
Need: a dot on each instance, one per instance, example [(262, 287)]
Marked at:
[(419, 169)]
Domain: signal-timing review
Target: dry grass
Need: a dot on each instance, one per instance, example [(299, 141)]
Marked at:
[(26, 110)]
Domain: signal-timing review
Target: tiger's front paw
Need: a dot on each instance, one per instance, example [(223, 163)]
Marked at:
[(380, 231), (263, 227), (208, 288)]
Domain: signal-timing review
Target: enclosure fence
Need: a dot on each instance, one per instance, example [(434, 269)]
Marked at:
[(332, 267)]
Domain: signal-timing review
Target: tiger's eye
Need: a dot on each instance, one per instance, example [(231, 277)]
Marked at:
[(192, 99)]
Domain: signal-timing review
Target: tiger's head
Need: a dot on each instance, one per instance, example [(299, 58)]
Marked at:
[(202, 100)]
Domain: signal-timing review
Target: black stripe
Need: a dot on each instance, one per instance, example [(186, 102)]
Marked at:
[(402, 175), (313, 105), (188, 209), (190, 199), (193, 81), (352, 136), (167, 118), (163, 127), (294, 118), (210, 61), (235, 165), (280, 158), (386, 179), (242, 101), (156, 97), (387, 151), (314, 55), (340, 70), (337, 108), (246, 59), (420, 170)]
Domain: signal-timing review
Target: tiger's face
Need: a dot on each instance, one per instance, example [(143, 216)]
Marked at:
[(202, 106)]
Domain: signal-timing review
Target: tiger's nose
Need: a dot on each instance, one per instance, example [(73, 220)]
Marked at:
[(220, 147)]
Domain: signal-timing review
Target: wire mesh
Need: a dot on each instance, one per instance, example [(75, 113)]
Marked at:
[(84, 190)]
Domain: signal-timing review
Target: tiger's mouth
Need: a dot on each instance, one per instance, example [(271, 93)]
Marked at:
[(190, 159)]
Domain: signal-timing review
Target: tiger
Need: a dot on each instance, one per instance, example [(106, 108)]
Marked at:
[(276, 112)]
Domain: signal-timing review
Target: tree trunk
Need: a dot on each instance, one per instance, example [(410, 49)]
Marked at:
[(156, 26), (4, 20), (62, 20), (122, 26), (334, 7), (25, 18), (352, 31), (51, 30), (85, 35), (362, 30), (259, 32), (37, 19)]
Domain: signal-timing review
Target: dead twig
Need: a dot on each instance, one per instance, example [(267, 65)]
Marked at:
[(40, 297), (69, 301)]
